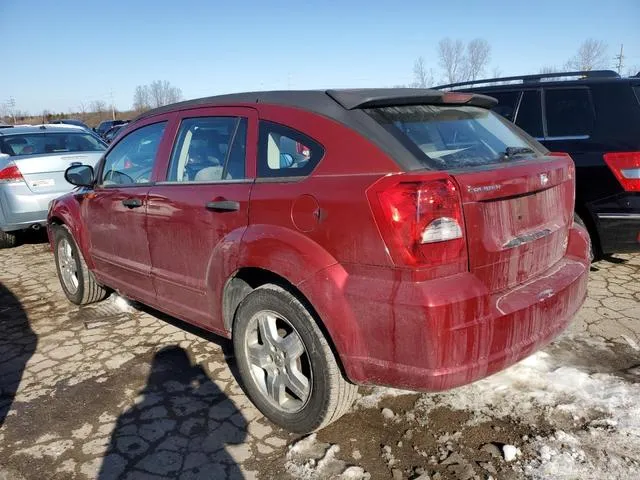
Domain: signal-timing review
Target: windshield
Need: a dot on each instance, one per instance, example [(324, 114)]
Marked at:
[(448, 137), (43, 143)]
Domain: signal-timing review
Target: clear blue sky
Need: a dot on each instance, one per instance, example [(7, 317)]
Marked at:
[(60, 53)]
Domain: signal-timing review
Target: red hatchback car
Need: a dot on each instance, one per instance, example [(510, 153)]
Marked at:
[(402, 237)]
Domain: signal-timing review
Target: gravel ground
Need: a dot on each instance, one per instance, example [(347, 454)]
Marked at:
[(115, 391)]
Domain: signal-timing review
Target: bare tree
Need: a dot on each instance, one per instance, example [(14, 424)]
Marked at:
[(591, 55), (141, 98), (496, 72), (422, 78), (477, 59), (451, 54), (82, 109), (161, 92), (98, 106)]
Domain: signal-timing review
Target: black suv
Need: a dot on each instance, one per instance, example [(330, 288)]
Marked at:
[(104, 126), (595, 117)]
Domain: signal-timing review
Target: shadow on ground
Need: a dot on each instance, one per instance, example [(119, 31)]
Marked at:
[(181, 426), (17, 344)]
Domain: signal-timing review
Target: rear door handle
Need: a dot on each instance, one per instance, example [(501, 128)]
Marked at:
[(223, 206), (132, 202)]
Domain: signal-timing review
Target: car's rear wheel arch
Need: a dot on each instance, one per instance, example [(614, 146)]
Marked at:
[(247, 279)]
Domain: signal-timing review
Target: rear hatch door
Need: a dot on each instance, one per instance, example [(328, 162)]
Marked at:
[(517, 218)]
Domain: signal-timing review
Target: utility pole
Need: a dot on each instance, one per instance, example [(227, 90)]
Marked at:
[(620, 59), (11, 105), (113, 109)]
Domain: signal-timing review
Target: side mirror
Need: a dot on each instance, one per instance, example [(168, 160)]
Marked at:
[(286, 160), (79, 175)]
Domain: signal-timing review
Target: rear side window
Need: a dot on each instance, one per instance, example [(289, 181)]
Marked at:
[(507, 103), (569, 112), (45, 143), (285, 152), (209, 149), (530, 113), (449, 137)]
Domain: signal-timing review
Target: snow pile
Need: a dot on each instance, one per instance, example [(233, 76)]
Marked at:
[(309, 459), (596, 414)]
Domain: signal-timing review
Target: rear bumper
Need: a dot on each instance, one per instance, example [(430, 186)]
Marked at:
[(619, 232), (440, 334), (617, 219), (20, 208)]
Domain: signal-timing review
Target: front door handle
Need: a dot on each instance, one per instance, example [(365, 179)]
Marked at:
[(223, 206), (132, 202)]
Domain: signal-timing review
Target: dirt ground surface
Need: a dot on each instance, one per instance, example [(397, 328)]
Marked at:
[(120, 391)]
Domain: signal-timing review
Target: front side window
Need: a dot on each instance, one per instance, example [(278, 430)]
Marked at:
[(569, 112), (209, 149), (131, 160), (285, 152), (530, 114), (507, 103), (446, 136), (46, 143)]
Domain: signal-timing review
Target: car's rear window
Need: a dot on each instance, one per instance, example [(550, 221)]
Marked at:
[(456, 136), (45, 143)]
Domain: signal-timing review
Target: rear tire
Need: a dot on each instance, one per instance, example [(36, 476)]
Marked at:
[(579, 221), (8, 239), (295, 362), (78, 283)]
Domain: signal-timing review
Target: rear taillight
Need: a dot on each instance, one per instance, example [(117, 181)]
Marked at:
[(626, 167), (422, 223), (10, 174)]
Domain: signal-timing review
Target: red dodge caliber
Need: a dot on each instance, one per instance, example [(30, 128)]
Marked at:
[(403, 237)]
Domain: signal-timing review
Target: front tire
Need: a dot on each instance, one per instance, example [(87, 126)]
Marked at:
[(8, 239), (286, 365), (78, 283)]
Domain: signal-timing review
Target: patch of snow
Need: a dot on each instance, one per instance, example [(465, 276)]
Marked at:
[(388, 413), (122, 303), (603, 408), (510, 452), (309, 459), (372, 399)]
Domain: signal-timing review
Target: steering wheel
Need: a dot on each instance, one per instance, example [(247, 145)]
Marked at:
[(143, 173), (117, 177)]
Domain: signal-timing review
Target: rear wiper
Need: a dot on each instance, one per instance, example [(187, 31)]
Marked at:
[(515, 151)]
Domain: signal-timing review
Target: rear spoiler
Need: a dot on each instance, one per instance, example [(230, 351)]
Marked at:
[(393, 97)]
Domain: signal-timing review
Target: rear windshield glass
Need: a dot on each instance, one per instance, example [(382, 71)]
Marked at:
[(449, 137), (43, 143)]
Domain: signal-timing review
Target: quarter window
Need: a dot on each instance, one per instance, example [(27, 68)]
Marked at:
[(569, 112), (209, 149), (285, 152), (530, 113), (131, 160)]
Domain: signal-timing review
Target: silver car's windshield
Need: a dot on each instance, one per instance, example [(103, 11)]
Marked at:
[(44, 143)]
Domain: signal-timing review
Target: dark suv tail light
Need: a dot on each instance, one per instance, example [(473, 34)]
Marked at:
[(626, 167), (422, 223), (10, 174)]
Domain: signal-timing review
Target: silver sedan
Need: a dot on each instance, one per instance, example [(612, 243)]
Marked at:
[(32, 165)]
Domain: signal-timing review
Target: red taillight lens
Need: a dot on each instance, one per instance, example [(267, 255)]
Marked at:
[(626, 167), (423, 223), (10, 174)]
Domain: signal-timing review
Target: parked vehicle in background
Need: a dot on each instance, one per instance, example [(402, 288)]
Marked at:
[(71, 121), (5, 125), (112, 132), (107, 124), (403, 237), (595, 117), (32, 165)]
